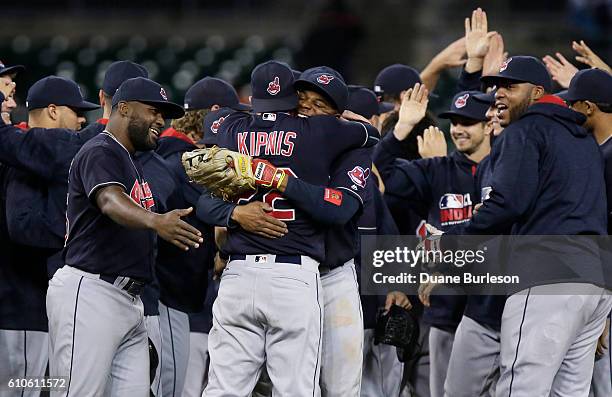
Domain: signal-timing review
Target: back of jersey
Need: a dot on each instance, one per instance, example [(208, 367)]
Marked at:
[(305, 148)]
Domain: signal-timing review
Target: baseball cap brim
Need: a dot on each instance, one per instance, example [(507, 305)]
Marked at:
[(564, 95), (240, 107), (276, 104), (449, 114), (488, 97), (85, 106), (385, 107), (494, 80), (169, 110), (12, 69)]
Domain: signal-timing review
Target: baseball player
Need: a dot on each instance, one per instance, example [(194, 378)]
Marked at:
[(590, 93), (546, 348), (96, 324), (473, 368), (34, 195), (441, 189), (294, 323)]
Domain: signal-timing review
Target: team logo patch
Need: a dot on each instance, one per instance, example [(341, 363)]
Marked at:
[(325, 79), (274, 86), (461, 101), (504, 65), (142, 195), (216, 124), (359, 176), (455, 208), (333, 196), (163, 94)]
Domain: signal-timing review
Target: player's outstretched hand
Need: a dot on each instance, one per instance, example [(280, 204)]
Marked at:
[(495, 56), (412, 110), (432, 143), (588, 57), (477, 39), (561, 70), (450, 57), (173, 229), (254, 218), (397, 298), (7, 87)]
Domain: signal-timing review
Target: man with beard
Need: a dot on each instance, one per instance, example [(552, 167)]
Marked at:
[(440, 189), (97, 335), (547, 180)]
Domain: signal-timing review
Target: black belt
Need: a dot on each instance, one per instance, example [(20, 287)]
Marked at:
[(132, 286), (295, 259)]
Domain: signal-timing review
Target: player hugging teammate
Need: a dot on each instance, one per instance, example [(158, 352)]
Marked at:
[(221, 256)]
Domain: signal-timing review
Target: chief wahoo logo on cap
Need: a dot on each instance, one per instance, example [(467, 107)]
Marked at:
[(163, 94), (504, 65), (274, 86), (461, 101), (325, 79)]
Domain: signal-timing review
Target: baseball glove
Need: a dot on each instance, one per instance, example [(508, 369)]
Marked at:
[(225, 173), (398, 328)]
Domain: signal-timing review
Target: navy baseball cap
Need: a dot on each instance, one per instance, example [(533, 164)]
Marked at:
[(212, 122), (4, 69), (147, 91), (211, 91), (593, 85), (58, 91), (396, 78), (488, 98), (522, 69), (327, 82), (120, 71), (465, 105), (272, 87), (364, 102)]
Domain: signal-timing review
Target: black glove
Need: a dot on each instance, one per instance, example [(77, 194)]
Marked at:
[(398, 328)]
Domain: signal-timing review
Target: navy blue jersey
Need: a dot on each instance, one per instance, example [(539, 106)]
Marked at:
[(485, 309), (548, 179), (203, 320), (350, 174), (306, 148), (94, 242), (440, 189), (182, 275)]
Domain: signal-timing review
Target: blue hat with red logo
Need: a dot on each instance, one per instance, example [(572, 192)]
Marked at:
[(140, 89), (467, 106), (272, 87), (120, 71), (592, 85), (4, 69), (522, 69), (327, 82), (212, 122), (57, 91), (211, 91), (396, 78), (364, 102)]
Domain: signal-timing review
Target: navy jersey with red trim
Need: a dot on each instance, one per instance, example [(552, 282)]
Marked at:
[(350, 175), (94, 242), (306, 148)]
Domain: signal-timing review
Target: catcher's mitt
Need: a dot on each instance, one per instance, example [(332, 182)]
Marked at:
[(398, 328), (225, 173)]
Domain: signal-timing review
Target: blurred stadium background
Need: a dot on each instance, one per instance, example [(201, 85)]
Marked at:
[(182, 41)]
